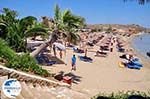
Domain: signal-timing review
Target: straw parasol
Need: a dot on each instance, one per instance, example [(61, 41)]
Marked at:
[(130, 52), (60, 46)]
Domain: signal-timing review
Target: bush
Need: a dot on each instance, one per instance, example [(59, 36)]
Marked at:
[(6, 52), (123, 95), (26, 63), (22, 62)]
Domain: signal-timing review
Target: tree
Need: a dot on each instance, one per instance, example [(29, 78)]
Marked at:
[(15, 31), (65, 26), (71, 23)]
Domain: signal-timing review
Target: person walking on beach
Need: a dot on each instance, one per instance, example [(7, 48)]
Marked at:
[(73, 62)]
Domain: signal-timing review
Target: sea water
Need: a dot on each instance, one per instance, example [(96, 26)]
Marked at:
[(142, 44)]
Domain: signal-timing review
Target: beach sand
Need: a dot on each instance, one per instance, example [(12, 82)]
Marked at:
[(104, 74)]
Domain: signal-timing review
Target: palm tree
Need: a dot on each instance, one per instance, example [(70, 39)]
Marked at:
[(55, 33), (65, 25), (71, 23), (16, 31)]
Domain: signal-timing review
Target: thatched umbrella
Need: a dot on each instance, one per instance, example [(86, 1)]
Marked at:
[(130, 52)]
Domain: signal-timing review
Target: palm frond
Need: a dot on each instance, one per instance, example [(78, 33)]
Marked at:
[(36, 31), (27, 22), (57, 14)]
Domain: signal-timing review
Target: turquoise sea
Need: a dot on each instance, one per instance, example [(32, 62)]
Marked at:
[(142, 44)]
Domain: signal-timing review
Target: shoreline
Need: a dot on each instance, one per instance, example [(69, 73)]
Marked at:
[(143, 59), (125, 79)]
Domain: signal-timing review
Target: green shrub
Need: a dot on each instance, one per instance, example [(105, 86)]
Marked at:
[(26, 63), (22, 62), (5, 51), (1, 59), (121, 95)]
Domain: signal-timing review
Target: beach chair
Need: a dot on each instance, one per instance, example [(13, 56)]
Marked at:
[(101, 54), (47, 61), (134, 64), (43, 59), (78, 50), (75, 49), (85, 59), (123, 56), (39, 59), (90, 44), (120, 49)]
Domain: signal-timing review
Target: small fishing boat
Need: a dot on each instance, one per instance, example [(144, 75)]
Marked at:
[(148, 54)]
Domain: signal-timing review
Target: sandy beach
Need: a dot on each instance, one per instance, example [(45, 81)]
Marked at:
[(75, 49), (104, 74)]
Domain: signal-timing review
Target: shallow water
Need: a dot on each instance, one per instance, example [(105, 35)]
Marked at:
[(142, 44)]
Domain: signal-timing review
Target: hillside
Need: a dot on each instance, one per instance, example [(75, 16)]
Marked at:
[(147, 30), (130, 27)]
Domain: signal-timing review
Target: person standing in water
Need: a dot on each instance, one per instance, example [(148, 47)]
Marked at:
[(73, 62)]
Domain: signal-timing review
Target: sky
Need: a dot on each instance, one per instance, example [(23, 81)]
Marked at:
[(94, 11)]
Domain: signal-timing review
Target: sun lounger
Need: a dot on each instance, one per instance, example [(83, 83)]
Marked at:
[(39, 59), (123, 56), (101, 54), (90, 44), (106, 48), (95, 41), (119, 45), (85, 59), (134, 64), (48, 61), (43, 59), (78, 50), (120, 49)]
